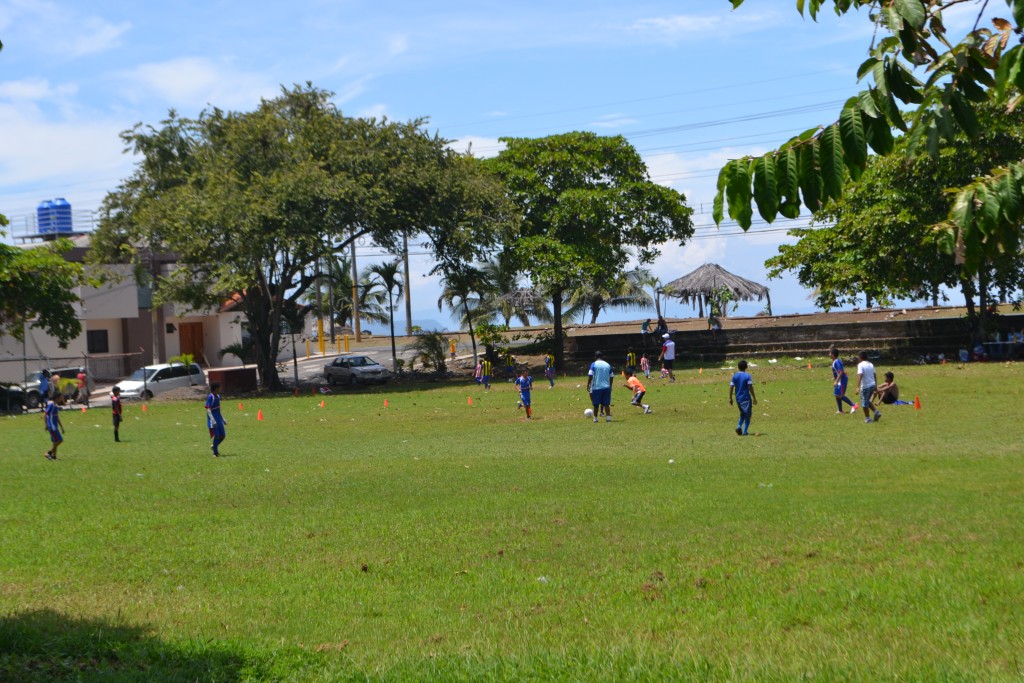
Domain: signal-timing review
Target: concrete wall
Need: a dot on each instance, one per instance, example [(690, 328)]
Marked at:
[(895, 338)]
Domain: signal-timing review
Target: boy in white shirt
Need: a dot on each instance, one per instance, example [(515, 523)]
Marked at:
[(866, 386)]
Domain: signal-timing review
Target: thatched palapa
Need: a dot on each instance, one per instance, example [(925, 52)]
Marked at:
[(698, 287)]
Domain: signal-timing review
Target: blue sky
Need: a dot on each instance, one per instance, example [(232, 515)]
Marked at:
[(691, 84)]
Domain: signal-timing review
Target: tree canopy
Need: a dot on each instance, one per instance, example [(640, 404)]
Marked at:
[(986, 215), (247, 202), (585, 201), (879, 239)]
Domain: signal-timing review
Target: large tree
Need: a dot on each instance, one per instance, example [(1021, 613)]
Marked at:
[(585, 201), (987, 213), (38, 289), (878, 238), (247, 202)]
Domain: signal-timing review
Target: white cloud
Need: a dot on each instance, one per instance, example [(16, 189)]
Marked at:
[(30, 89), (374, 111), (398, 45), (613, 121), (194, 82), (60, 30), (679, 26), (481, 147), (57, 153)]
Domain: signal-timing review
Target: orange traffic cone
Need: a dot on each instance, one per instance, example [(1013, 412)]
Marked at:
[(701, 371), (808, 366), (469, 400), (259, 415), (83, 410), (240, 407), (143, 407), (321, 403), (386, 404), (917, 403)]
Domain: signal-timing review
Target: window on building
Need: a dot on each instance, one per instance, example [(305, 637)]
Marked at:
[(96, 341)]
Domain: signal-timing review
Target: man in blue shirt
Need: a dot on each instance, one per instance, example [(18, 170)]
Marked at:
[(599, 385), (214, 419), (743, 386)]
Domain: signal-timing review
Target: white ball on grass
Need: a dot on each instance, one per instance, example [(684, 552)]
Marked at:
[(589, 412)]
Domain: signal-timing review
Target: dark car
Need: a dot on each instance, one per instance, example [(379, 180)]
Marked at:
[(12, 399), (354, 370)]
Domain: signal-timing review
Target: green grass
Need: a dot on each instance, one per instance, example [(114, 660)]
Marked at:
[(437, 540)]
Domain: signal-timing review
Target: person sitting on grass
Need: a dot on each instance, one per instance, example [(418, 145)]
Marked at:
[(887, 392)]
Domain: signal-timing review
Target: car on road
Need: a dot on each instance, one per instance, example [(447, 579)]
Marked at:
[(12, 399), (153, 380), (354, 370), (31, 385)]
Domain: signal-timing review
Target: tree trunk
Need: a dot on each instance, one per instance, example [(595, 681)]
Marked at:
[(967, 287), (983, 281), (391, 321), (472, 333), (559, 351)]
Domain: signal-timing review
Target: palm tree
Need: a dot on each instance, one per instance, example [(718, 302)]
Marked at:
[(388, 276), (509, 299), (464, 290), (337, 281), (624, 292)]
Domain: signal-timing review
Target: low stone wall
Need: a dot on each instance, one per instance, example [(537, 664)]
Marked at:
[(896, 338)]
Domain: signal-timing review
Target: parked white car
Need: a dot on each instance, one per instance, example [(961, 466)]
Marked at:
[(153, 380)]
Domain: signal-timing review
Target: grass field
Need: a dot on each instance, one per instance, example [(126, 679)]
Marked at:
[(434, 539)]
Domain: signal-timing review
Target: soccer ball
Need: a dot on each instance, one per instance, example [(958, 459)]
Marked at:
[(589, 412)]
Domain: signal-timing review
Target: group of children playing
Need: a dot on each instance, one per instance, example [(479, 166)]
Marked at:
[(741, 389)]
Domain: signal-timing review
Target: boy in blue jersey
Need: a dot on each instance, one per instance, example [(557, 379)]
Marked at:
[(743, 386), (51, 418), (525, 384), (214, 420), (839, 382)]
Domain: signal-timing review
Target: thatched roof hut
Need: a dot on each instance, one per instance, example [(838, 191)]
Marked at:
[(698, 287)]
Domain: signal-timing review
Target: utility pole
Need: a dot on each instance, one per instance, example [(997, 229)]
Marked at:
[(355, 294), (408, 289)]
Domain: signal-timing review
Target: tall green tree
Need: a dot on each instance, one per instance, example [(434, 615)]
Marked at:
[(38, 289), (585, 201), (247, 202), (389, 277), (879, 240), (987, 63)]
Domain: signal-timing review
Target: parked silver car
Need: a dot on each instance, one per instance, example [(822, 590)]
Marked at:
[(354, 370)]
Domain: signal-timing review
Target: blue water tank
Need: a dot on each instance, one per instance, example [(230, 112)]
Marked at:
[(44, 217), (62, 215)]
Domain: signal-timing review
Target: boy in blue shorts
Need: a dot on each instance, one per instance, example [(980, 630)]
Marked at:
[(839, 382), (525, 384), (743, 386), (549, 370), (214, 420), (485, 373), (51, 418), (599, 386)]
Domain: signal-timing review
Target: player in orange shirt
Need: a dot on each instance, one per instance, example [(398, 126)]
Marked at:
[(638, 391)]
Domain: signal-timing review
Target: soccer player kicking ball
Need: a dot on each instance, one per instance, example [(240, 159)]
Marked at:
[(743, 386), (525, 384), (633, 382)]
